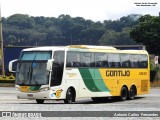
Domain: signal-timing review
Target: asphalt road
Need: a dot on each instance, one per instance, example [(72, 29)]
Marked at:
[(149, 102)]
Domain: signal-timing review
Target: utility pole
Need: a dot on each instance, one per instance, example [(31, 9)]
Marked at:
[(1, 42), (71, 38)]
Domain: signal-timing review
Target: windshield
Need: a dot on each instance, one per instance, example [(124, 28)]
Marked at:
[(31, 68), (34, 73)]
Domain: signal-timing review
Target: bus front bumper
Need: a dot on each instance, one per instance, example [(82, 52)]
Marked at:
[(49, 94)]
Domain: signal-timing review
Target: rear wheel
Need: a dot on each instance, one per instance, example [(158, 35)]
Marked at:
[(39, 101), (124, 94), (70, 97), (132, 93)]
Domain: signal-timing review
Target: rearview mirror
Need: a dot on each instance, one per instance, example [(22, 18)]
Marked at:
[(13, 65), (49, 64)]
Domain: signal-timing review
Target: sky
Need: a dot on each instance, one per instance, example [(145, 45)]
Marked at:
[(96, 10)]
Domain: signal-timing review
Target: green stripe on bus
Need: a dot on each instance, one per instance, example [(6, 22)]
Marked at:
[(34, 88), (99, 81), (88, 80)]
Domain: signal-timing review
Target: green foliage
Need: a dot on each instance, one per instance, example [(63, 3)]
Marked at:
[(125, 21), (148, 33), (153, 71), (112, 37), (25, 30), (21, 21)]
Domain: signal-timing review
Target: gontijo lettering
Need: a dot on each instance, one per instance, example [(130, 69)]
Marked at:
[(117, 73)]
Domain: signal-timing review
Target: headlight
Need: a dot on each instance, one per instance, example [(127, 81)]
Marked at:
[(44, 89)]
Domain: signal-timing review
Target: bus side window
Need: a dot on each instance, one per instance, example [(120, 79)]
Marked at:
[(116, 64), (125, 64), (57, 68), (105, 63), (58, 58), (110, 60), (76, 64), (113, 60), (87, 59), (73, 59), (110, 64), (143, 60), (134, 59), (101, 60), (99, 64), (124, 58), (69, 62)]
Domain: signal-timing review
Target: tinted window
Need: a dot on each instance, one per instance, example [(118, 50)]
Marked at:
[(80, 59), (113, 60), (110, 60), (58, 58), (33, 55), (125, 63), (57, 68), (134, 61), (101, 60), (73, 59), (143, 61), (87, 59)]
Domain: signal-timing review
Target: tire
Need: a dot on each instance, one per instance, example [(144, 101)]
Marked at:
[(132, 93), (70, 97), (124, 94), (39, 101)]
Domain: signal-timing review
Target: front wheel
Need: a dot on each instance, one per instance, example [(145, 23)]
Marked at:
[(39, 101), (70, 97)]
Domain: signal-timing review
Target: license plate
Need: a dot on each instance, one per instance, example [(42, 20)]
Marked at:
[(30, 95)]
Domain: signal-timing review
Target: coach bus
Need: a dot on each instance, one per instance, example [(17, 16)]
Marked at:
[(78, 71)]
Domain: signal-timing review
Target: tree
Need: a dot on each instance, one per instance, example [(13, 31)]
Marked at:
[(109, 38), (26, 30), (112, 37), (125, 21), (124, 38), (12, 39), (148, 33), (20, 20)]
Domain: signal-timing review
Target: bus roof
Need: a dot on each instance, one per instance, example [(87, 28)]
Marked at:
[(46, 48), (135, 51), (91, 47), (94, 48)]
